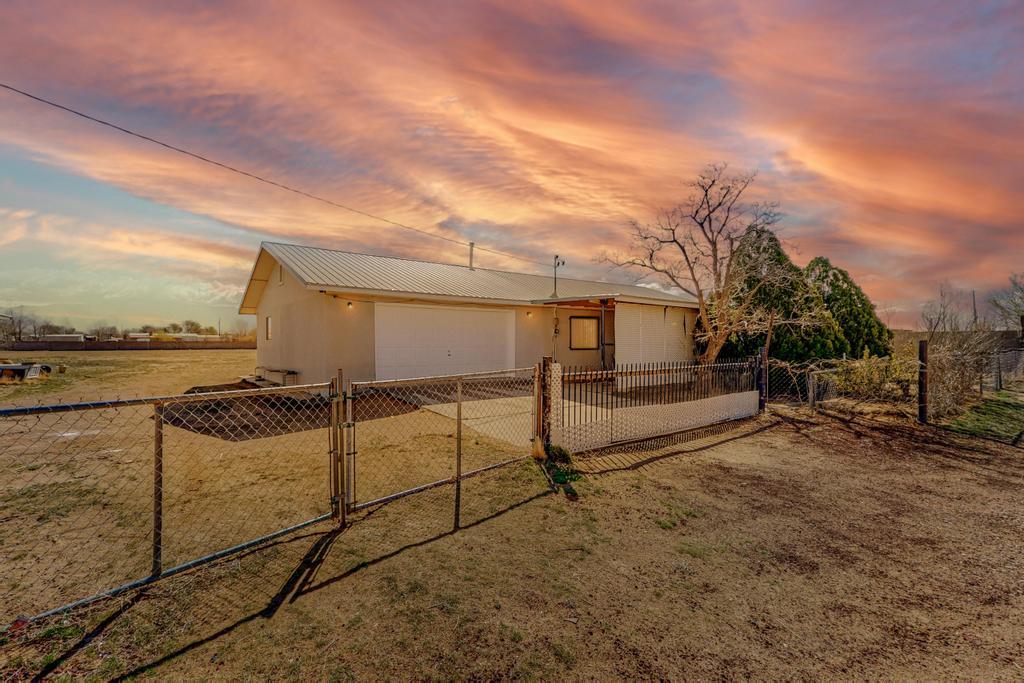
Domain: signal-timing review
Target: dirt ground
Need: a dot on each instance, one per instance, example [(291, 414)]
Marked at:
[(791, 546), (93, 375)]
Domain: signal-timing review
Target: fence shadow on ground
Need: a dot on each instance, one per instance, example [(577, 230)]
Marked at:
[(626, 457), (903, 438), (256, 584)]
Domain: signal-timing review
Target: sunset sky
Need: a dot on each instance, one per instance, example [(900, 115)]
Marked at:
[(893, 137)]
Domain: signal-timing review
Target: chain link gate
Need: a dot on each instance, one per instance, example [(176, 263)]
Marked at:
[(100, 498), (408, 436)]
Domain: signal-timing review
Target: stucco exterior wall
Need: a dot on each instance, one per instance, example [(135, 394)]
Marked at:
[(535, 336), (315, 333)]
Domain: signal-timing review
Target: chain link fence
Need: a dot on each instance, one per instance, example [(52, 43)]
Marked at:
[(1005, 370), (100, 498), (952, 379), (871, 380), (408, 436)]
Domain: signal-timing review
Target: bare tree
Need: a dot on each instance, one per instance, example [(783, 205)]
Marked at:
[(243, 329), (943, 314), (6, 328), (102, 331), (1009, 303), (18, 323), (960, 353), (693, 247)]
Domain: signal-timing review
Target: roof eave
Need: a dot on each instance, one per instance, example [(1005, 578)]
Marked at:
[(623, 298), (417, 296)]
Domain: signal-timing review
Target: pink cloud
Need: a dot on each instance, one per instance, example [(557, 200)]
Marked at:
[(891, 135)]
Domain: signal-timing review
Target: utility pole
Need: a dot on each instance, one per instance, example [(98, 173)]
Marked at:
[(558, 262), (471, 245)]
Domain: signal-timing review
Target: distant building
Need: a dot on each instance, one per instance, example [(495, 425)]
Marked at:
[(191, 337), (75, 337)]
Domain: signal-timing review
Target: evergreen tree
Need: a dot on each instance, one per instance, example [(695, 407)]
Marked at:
[(805, 328), (851, 308)]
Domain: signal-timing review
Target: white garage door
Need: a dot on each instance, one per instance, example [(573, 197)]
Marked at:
[(420, 341)]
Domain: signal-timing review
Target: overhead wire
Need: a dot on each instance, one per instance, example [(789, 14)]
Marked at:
[(234, 169)]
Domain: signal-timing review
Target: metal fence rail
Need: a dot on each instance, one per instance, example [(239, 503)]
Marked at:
[(102, 497), (599, 408)]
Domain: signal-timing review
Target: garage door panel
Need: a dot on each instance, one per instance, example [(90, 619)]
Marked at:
[(418, 341)]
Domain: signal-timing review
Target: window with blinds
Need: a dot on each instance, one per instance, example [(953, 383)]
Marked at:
[(583, 334)]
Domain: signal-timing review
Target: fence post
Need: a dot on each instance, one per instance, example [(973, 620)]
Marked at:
[(812, 390), (348, 466), (922, 381), (337, 464), (158, 488), (762, 379), (545, 420), (458, 452), (999, 370)]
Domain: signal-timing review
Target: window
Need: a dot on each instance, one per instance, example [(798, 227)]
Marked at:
[(268, 328), (583, 334)]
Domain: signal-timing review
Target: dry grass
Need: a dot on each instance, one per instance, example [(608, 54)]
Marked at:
[(796, 546), (112, 374), (76, 491)]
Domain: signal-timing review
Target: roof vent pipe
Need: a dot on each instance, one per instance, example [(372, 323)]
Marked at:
[(558, 262), (471, 245)]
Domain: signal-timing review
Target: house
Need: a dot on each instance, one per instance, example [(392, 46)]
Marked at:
[(376, 317), (72, 337)]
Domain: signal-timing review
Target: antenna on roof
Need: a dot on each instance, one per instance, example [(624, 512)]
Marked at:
[(471, 245), (559, 261)]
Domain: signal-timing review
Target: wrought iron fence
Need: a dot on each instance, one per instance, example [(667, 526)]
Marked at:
[(99, 498), (599, 408)]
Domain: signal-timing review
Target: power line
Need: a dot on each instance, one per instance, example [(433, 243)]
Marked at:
[(254, 176)]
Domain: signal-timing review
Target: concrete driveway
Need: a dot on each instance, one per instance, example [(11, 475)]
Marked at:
[(506, 419)]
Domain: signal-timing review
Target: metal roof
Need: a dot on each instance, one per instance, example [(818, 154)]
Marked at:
[(344, 271)]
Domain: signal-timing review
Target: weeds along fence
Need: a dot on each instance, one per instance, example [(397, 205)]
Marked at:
[(881, 380), (594, 409), (99, 498), (951, 378)]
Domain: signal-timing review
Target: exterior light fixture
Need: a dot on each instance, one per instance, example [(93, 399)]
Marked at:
[(529, 314), (349, 304)]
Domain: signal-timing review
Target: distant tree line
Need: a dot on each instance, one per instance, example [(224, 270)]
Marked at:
[(18, 325)]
